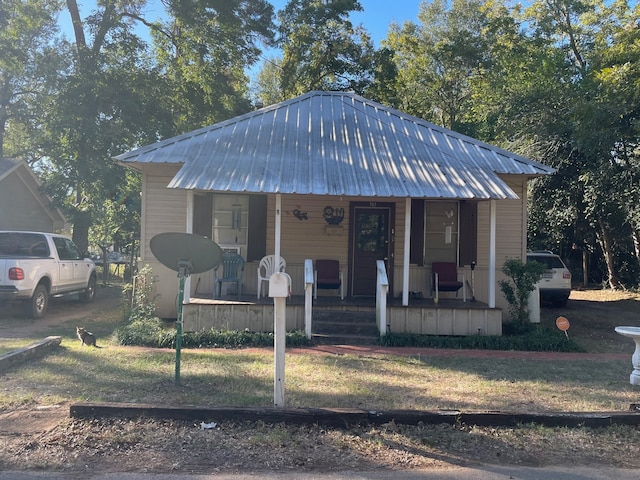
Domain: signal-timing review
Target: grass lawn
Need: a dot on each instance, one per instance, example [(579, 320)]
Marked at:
[(219, 377)]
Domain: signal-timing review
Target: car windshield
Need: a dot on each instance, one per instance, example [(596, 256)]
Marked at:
[(19, 244), (549, 260)]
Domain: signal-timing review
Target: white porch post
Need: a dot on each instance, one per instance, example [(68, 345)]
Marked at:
[(189, 229), (492, 254), (406, 256)]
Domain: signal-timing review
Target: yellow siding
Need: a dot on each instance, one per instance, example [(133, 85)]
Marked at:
[(310, 237)]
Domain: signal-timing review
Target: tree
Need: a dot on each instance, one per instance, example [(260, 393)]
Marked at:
[(29, 66), (117, 95), (596, 184), (322, 50), (438, 59)]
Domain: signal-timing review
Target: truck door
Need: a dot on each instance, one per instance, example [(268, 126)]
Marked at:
[(65, 264)]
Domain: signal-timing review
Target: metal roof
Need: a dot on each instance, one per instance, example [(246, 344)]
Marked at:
[(336, 143)]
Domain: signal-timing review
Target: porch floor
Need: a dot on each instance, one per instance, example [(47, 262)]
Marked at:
[(326, 301)]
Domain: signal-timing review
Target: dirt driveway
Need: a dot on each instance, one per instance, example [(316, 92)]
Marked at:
[(61, 311)]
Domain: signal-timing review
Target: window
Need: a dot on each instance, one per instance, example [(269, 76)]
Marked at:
[(443, 231)]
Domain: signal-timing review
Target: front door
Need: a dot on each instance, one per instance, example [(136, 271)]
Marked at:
[(371, 239)]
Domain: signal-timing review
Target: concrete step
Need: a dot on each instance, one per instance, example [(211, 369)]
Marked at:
[(344, 339), (340, 327)]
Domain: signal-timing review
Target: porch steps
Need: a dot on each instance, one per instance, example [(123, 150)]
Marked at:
[(338, 327)]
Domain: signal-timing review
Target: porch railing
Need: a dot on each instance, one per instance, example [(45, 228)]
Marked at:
[(382, 288), (308, 296)]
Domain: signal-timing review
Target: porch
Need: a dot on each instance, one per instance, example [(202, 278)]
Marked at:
[(450, 316)]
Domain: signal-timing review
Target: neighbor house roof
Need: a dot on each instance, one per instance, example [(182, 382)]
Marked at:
[(336, 143), (19, 183)]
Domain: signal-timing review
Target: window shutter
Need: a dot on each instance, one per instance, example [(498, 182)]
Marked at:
[(203, 214), (468, 232), (416, 252)]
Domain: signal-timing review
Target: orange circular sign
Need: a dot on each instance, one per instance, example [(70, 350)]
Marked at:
[(562, 323)]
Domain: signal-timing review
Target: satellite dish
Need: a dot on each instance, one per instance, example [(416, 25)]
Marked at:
[(172, 249), (185, 253)]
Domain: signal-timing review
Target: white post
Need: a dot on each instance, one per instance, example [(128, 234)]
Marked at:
[(279, 326), (279, 318), (407, 250), (492, 254), (186, 296), (308, 295), (278, 227), (279, 289)]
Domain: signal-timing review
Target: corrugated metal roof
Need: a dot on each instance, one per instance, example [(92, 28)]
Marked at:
[(336, 143)]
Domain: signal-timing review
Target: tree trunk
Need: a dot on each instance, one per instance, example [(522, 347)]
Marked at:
[(602, 235), (81, 224)]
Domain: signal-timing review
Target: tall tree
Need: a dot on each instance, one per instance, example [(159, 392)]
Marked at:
[(438, 58), (322, 50), (119, 93), (29, 67)]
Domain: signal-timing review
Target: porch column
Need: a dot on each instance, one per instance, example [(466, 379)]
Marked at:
[(492, 254), (189, 229), (405, 257), (278, 221)]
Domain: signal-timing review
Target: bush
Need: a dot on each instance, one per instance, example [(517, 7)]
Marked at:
[(539, 339), (156, 333), (522, 281)]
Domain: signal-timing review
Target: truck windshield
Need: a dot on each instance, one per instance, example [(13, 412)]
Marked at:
[(19, 244)]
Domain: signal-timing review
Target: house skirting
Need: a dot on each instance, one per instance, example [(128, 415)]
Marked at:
[(449, 317)]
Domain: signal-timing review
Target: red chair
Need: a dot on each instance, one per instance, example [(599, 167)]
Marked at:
[(328, 276), (444, 278)]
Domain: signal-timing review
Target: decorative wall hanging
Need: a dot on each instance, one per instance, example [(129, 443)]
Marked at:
[(333, 216), (300, 215)]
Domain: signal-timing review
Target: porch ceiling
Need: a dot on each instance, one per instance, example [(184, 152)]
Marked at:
[(336, 143)]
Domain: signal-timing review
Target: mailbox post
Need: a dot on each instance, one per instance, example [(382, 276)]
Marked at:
[(279, 289)]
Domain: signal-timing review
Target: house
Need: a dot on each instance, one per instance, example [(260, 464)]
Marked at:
[(332, 175), (22, 205)]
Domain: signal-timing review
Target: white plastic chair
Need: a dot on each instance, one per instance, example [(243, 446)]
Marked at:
[(267, 268)]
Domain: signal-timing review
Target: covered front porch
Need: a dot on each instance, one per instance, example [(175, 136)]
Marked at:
[(422, 316)]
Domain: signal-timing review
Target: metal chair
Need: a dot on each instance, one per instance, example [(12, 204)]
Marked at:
[(267, 268), (328, 276), (232, 266)]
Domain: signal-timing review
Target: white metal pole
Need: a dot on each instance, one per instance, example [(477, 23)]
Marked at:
[(279, 321), (189, 229)]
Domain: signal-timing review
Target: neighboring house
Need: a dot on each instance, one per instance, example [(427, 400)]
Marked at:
[(22, 205), (334, 175)]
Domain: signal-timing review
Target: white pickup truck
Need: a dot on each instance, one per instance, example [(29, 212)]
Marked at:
[(35, 266)]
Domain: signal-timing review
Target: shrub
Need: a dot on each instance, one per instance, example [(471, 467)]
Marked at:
[(522, 281), (538, 339), (156, 333)]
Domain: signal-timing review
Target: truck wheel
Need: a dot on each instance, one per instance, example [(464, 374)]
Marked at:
[(90, 292), (37, 304)]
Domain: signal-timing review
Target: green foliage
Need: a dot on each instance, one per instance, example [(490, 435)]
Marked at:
[(537, 339), (141, 294), (156, 333), (322, 50), (522, 281)]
